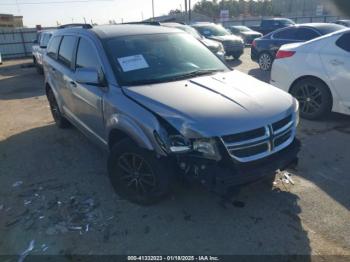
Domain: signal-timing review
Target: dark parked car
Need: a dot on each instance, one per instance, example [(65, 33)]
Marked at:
[(343, 22), (269, 25), (247, 34), (263, 50), (214, 46), (233, 45)]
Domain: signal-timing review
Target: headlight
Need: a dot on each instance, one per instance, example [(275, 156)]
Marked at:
[(207, 147), (221, 48), (178, 144)]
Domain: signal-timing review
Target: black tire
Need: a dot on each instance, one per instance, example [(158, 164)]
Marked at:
[(137, 175), (237, 56), (60, 120), (315, 99), (39, 69), (265, 61)]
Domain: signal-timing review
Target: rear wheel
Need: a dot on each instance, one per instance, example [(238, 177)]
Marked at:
[(39, 69), (265, 61), (60, 120), (314, 98), (137, 175)]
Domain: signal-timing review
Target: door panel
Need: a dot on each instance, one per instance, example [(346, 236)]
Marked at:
[(337, 63), (88, 99)]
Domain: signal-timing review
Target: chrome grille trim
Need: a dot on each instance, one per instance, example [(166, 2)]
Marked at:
[(270, 139)]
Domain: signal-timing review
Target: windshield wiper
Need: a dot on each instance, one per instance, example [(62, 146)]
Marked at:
[(196, 73), (176, 77)]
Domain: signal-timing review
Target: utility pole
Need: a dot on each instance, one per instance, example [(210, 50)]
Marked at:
[(153, 9), (186, 11), (189, 11)]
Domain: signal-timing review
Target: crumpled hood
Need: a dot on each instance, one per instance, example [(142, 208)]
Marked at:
[(215, 105), (226, 38)]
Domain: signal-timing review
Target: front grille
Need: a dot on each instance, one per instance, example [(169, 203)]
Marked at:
[(256, 133), (261, 142)]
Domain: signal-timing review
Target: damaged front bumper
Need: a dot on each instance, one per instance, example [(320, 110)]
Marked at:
[(221, 176)]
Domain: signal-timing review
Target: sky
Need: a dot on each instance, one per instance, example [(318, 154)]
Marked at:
[(49, 12)]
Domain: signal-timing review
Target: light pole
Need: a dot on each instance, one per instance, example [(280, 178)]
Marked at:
[(153, 9)]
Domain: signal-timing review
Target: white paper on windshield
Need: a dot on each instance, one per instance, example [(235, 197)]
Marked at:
[(134, 62)]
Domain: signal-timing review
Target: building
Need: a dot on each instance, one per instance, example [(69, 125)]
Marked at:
[(294, 8), (8, 20)]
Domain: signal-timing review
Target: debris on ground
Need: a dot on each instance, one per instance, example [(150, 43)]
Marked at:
[(17, 184), (55, 213), (26, 252)]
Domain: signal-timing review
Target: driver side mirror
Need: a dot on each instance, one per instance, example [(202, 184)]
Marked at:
[(89, 76)]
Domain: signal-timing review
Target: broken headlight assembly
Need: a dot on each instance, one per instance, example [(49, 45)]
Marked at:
[(207, 148)]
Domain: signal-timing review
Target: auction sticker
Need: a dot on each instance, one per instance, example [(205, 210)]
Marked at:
[(134, 62)]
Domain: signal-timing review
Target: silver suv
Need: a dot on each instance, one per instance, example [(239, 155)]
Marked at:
[(164, 106)]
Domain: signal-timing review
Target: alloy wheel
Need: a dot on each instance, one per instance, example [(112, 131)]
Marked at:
[(310, 99), (265, 62), (136, 174)]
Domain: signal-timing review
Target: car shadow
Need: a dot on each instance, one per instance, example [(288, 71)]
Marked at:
[(56, 166), (233, 62), (32, 84), (324, 153), (260, 74)]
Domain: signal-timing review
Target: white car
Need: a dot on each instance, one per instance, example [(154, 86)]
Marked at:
[(317, 73)]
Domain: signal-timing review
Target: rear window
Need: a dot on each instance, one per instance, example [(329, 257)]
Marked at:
[(65, 54), (305, 34), (286, 34), (344, 42), (54, 44)]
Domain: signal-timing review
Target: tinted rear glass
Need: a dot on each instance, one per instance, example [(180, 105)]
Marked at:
[(305, 34), (344, 42)]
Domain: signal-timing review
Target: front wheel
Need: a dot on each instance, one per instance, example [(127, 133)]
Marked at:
[(60, 120), (314, 98), (265, 61), (137, 174)]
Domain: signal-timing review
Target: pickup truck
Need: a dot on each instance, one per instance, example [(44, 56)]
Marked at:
[(269, 25), (39, 48)]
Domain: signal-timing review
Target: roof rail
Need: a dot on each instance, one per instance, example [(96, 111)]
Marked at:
[(142, 23), (84, 26)]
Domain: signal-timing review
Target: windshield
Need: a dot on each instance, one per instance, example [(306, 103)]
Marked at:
[(242, 28), (287, 22), (190, 30), (212, 30), (147, 59)]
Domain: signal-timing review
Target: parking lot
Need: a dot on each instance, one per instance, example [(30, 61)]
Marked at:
[(55, 191)]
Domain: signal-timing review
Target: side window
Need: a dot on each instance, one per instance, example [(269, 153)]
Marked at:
[(305, 34), (86, 55), (344, 42), (286, 34), (45, 39), (65, 55), (54, 44)]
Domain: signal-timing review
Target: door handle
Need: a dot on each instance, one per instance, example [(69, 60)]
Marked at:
[(72, 84), (336, 62)]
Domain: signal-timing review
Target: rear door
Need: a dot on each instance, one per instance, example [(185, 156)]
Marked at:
[(87, 98), (336, 59)]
